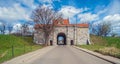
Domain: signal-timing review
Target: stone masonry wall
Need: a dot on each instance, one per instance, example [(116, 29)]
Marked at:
[(77, 34)]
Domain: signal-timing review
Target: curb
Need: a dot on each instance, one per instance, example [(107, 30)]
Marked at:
[(104, 57)]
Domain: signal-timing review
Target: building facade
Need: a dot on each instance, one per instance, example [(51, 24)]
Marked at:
[(71, 34)]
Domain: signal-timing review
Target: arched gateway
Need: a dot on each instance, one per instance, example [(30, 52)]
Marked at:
[(61, 39), (65, 34)]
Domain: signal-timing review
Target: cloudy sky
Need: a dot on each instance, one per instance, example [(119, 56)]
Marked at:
[(16, 12)]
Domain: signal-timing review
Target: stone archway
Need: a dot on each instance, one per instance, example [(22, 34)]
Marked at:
[(61, 39)]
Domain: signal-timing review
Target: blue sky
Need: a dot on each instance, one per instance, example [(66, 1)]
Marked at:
[(16, 12)]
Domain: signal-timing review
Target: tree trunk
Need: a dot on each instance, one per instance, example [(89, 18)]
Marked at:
[(46, 39)]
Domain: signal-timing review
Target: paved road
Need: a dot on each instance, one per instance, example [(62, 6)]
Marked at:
[(68, 55)]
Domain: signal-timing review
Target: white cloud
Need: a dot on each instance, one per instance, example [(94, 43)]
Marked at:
[(102, 11), (70, 11), (112, 8), (31, 28), (0, 23), (111, 14), (16, 27), (47, 5), (112, 18), (29, 3), (48, 1), (7, 3), (87, 17), (14, 13)]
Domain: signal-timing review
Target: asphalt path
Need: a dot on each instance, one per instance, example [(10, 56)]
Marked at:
[(68, 55)]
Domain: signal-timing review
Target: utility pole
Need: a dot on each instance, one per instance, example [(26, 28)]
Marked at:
[(76, 30), (67, 32)]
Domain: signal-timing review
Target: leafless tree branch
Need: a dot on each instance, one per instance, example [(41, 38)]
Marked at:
[(44, 18)]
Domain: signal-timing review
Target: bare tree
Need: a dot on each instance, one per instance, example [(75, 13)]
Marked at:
[(25, 29), (101, 29), (2, 28), (19, 30), (44, 17), (10, 28), (113, 34), (106, 29)]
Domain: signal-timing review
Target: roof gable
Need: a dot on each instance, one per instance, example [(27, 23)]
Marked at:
[(65, 22)]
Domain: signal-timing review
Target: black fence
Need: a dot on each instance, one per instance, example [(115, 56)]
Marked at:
[(13, 51)]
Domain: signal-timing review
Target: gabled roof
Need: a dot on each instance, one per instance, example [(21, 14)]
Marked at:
[(78, 25), (65, 22)]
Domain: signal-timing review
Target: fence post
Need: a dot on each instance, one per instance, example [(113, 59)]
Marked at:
[(31, 47), (12, 51), (24, 48)]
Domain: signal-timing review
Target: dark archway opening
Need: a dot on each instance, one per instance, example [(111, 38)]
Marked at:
[(61, 39), (51, 42), (71, 42)]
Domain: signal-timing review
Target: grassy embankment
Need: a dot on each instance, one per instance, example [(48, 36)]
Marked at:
[(12, 46), (105, 45)]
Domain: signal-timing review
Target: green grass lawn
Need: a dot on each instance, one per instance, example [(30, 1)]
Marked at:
[(92, 47), (105, 45), (12, 46), (113, 41)]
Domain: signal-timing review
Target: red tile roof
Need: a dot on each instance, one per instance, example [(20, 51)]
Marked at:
[(66, 23)]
